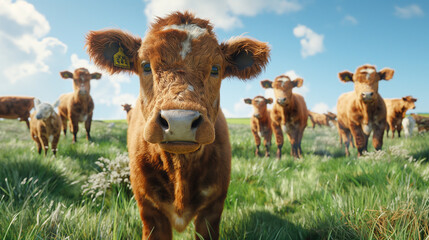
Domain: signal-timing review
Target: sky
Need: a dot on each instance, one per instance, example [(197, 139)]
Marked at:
[(314, 40)]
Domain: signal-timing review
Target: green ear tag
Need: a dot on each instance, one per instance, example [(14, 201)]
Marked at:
[(121, 60), (347, 78)]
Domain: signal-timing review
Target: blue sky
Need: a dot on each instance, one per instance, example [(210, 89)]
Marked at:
[(311, 39)]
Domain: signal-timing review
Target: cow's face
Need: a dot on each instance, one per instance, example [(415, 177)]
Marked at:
[(81, 78), (366, 80), (282, 86), (259, 104), (44, 110), (409, 102), (181, 66)]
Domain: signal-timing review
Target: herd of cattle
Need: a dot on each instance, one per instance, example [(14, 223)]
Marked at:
[(178, 142)]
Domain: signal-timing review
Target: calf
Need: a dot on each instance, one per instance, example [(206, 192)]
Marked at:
[(128, 109), (408, 124), (289, 112), (396, 110), (77, 106), (45, 126), (260, 123), (319, 119), (12, 107), (362, 110), (178, 143)]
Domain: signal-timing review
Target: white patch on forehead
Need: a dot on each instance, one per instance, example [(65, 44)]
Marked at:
[(283, 80), (259, 99), (368, 72), (190, 88), (193, 31)]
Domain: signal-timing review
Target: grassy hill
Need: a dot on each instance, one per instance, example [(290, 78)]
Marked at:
[(324, 195)]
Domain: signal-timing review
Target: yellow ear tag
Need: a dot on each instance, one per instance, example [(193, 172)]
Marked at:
[(120, 59)]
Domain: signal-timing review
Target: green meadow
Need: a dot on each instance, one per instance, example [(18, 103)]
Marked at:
[(83, 193)]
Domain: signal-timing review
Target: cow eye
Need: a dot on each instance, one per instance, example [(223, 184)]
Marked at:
[(214, 71), (146, 67)]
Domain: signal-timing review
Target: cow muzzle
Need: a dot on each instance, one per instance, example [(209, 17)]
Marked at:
[(179, 131), (281, 101), (257, 115), (367, 96)]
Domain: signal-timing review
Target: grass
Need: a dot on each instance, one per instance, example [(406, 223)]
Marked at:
[(324, 195)]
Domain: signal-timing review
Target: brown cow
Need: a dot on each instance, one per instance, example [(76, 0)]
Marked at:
[(45, 126), (318, 119), (422, 122), (128, 109), (260, 123), (362, 110), (396, 110), (77, 106), (289, 112), (12, 107), (178, 143)]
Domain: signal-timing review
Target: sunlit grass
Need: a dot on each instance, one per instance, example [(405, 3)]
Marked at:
[(324, 195)]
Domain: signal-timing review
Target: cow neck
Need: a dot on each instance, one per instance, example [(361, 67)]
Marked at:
[(80, 98), (369, 109), (263, 121), (289, 108), (181, 169)]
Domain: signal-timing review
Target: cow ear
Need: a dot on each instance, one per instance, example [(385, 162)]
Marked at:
[(66, 74), (248, 101), (95, 75), (269, 100), (245, 57), (37, 102), (56, 103), (346, 76), (267, 84), (113, 50), (386, 73), (298, 82)]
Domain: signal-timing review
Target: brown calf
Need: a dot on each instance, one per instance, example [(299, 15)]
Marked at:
[(260, 123), (396, 110), (362, 110), (45, 126), (289, 112), (12, 107), (178, 143), (318, 119), (128, 109), (77, 106)]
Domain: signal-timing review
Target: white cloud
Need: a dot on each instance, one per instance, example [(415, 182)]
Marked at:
[(107, 90), (25, 49), (320, 108), (222, 13), (410, 11), (311, 42), (240, 110), (350, 20)]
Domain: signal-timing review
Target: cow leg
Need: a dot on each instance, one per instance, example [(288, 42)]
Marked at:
[(208, 219), (279, 138), (39, 147), (257, 142), (74, 128), (88, 126), (360, 138), (267, 144), (293, 139), (54, 143), (27, 122), (377, 137), (64, 124), (155, 224), (399, 128), (45, 142)]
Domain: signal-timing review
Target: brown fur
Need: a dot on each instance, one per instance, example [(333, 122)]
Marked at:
[(292, 113), (318, 119), (129, 110), (12, 107), (77, 106), (260, 123), (357, 116), (422, 122), (176, 182), (41, 130), (396, 110)]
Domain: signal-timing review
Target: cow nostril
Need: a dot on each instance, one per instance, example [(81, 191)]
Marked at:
[(370, 94), (197, 122), (163, 122)]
